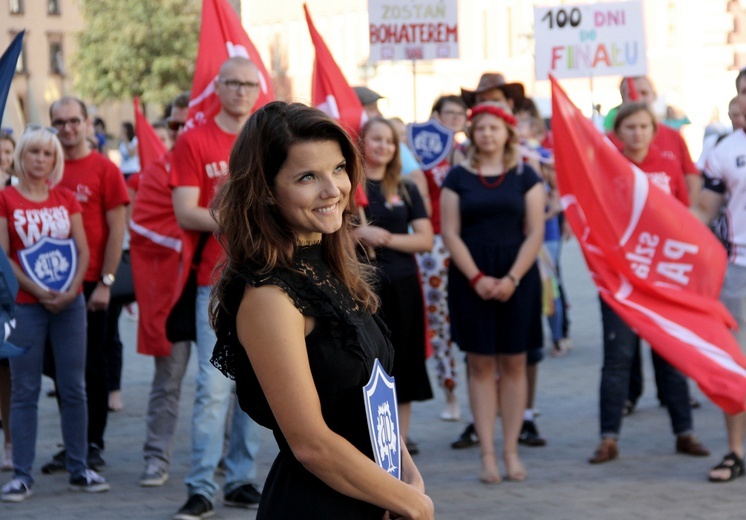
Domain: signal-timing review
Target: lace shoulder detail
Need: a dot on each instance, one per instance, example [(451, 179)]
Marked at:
[(310, 284)]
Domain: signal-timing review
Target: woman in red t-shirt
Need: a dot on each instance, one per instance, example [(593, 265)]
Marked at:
[(41, 231), (635, 126)]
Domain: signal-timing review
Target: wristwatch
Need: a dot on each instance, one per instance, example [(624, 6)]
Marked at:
[(107, 279)]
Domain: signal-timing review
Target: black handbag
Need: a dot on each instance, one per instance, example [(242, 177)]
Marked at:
[(181, 324), (123, 290)]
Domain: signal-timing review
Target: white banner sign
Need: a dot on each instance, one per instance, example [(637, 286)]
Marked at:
[(413, 29), (590, 40)]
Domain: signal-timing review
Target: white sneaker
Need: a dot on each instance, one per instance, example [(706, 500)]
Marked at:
[(90, 482), (153, 476), (15, 491)]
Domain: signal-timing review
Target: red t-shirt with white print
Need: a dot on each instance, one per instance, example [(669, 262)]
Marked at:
[(665, 172), (29, 221)]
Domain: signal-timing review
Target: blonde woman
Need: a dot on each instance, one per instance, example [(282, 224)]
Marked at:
[(492, 209)]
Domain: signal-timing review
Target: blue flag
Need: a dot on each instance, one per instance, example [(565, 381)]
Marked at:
[(8, 68)]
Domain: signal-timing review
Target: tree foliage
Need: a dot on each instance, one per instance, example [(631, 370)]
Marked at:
[(140, 48)]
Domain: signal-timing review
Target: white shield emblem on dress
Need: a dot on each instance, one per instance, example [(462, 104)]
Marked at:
[(383, 419), (431, 142), (51, 263)]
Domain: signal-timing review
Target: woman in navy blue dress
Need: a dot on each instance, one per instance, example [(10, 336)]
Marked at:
[(492, 209)]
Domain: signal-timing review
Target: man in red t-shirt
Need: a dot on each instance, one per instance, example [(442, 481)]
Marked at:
[(99, 187), (200, 161)]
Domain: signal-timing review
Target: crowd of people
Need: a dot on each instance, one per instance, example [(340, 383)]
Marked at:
[(312, 254)]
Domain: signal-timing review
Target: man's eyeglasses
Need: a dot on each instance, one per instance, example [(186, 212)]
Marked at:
[(34, 127), (457, 113), (61, 123), (235, 85), (174, 126)]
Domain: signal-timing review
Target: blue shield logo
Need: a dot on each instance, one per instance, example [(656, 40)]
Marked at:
[(431, 142), (51, 263), (383, 419)]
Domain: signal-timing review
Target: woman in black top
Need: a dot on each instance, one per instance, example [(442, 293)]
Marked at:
[(393, 206), (294, 319)]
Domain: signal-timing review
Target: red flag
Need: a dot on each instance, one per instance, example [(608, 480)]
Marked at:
[(149, 146), (330, 91), (156, 247), (632, 89), (653, 262), (221, 36)]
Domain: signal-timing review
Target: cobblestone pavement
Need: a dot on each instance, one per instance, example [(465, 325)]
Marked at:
[(648, 481)]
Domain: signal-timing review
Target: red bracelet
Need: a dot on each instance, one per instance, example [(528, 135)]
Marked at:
[(473, 282)]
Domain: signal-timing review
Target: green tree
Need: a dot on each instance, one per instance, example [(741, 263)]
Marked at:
[(140, 48)]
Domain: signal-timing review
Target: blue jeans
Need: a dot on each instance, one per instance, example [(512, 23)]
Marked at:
[(67, 336), (620, 343), (213, 398)]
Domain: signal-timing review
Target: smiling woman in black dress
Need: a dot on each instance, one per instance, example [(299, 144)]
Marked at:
[(294, 319)]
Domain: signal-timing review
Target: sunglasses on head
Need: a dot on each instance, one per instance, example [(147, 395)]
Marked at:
[(34, 127), (175, 125)]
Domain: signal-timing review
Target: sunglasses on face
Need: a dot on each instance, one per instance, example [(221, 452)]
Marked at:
[(62, 123)]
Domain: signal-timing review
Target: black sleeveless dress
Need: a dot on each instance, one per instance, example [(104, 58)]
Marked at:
[(342, 348)]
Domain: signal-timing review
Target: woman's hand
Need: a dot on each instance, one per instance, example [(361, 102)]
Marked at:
[(504, 289), (424, 511), (373, 236), (486, 287), (58, 301)]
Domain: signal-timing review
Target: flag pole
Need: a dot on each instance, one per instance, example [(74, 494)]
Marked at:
[(414, 89)]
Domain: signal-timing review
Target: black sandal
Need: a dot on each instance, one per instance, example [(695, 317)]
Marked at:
[(731, 462)]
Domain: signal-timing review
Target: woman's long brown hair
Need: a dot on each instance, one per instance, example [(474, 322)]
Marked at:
[(252, 230)]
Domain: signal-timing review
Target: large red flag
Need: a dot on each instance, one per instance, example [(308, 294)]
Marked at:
[(330, 91), (149, 146), (221, 36), (654, 263)]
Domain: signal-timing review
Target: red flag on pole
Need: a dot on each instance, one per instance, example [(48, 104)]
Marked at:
[(149, 145), (330, 91), (653, 262), (221, 36)]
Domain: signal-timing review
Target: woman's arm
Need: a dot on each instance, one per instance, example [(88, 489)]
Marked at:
[(419, 180), (58, 300), (529, 249), (450, 228), (419, 241), (272, 331)]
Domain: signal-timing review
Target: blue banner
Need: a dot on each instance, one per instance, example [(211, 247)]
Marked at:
[(382, 412), (51, 263), (430, 142), (8, 68)]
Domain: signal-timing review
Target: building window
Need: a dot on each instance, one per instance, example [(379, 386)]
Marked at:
[(56, 56), (53, 7), (16, 6), (21, 63)]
